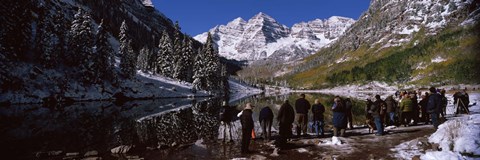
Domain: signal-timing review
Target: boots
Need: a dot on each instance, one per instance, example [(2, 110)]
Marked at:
[(335, 131)]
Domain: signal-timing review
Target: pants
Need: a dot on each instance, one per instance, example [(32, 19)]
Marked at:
[(302, 120), (349, 119), (227, 125), (391, 120), (266, 128), (285, 133), (246, 137), (406, 118), (318, 127), (425, 117), (379, 125), (336, 130), (435, 121)]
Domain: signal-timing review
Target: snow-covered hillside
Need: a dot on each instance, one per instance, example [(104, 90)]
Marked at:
[(263, 37)]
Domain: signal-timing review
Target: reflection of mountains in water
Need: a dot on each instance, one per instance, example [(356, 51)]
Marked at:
[(104, 125)]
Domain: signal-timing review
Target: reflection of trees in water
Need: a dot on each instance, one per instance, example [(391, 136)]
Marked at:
[(183, 126), (172, 128), (206, 119)]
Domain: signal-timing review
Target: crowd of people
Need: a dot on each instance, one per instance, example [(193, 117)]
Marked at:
[(403, 108)]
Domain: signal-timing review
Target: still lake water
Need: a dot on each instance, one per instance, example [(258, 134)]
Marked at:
[(27, 131)]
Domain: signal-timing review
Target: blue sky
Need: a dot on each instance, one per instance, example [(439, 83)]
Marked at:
[(198, 16)]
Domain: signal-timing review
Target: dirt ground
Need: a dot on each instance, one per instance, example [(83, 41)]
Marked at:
[(358, 144)]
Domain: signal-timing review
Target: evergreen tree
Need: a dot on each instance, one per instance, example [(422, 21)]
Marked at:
[(165, 58), (46, 43), (184, 61), (15, 27), (143, 58), (81, 44), (127, 61), (105, 65), (199, 75), (60, 29), (212, 64), (177, 47)]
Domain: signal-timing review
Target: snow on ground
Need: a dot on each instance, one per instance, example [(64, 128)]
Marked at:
[(458, 137), (239, 91)]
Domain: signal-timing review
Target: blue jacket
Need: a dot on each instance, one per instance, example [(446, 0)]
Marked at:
[(265, 114), (434, 103)]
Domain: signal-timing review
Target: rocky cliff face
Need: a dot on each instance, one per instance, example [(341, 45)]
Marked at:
[(263, 37), (416, 41), (393, 22)]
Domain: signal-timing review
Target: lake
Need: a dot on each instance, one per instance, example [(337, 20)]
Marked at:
[(37, 131)]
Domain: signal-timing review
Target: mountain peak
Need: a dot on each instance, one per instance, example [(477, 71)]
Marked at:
[(263, 16), (237, 21), (263, 37)]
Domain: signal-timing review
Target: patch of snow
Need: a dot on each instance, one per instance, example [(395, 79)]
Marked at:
[(438, 60), (302, 150), (335, 141)]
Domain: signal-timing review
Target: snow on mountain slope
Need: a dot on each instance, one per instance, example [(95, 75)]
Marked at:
[(263, 37), (239, 90)]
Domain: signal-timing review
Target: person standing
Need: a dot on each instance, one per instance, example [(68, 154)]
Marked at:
[(423, 108), (318, 120), (444, 103), (416, 109), (391, 107), (375, 111), (302, 106), (406, 107), (285, 118), (247, 127), (226, 119), (266, 120), (434, 106), (339, 117), (348, 112)]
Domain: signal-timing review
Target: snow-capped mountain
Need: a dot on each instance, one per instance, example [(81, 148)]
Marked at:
[(424, 41), (394, 22), (263, 37)]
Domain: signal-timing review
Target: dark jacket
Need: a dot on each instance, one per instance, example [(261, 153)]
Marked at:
[(348, 107), (339, 116), (247, 120), (226, 114), (265, 114), (302, 106), (376, 107), (391, 104), (423, 104), (318, 110), (368, 107), (434, 103), (286, 114)]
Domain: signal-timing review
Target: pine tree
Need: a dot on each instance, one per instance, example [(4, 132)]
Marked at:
[(105, 55), (184, 61), (60, 29), (143, 58), (46, 43), (127, 61), (165, 59), (15, 25), (199, 76), (81, 44), (212, 64), (177, 48)]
